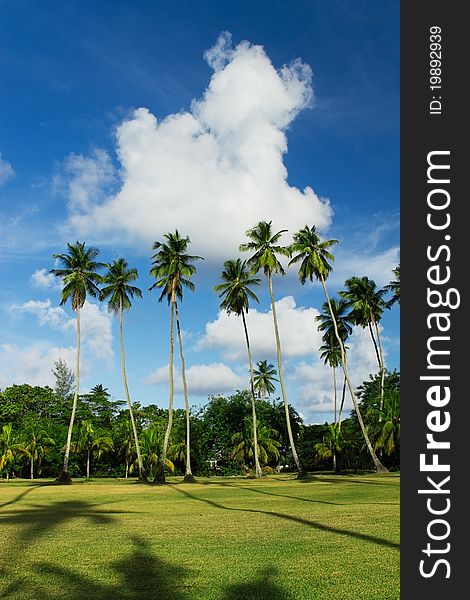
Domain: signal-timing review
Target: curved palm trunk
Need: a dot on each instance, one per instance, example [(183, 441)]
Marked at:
[(335, 396), (258, 469), (378, 465), (128, 398), (375, 345), (188, 476), (281, 376), (160, 474), (64, 476)]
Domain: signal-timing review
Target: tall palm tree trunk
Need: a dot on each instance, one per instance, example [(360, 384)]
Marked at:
[(32, 467), (188, 476), (64, 476), (258, 469), (160, 474), (381, 366), (281, 376), (375, 345), (378, 465), (128, 398), (335, 396), (343, 397), (88, 464)]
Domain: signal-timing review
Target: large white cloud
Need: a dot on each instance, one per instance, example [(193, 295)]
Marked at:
[(297, 329), (213, 171), (42, 278), (202, 380)]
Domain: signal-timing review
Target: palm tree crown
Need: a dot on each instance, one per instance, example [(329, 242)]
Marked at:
[(312, 254), (264, 244), (117, 286), (366, 302), (172, 267), (79, 273), (265, 374), (338, 308), (394, 288), (235, 289)]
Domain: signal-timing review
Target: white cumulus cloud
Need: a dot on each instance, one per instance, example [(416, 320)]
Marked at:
[(202, 380), (297, 329), (219, 164), (41, 278)]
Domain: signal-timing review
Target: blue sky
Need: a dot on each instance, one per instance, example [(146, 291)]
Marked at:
[(120, 121)]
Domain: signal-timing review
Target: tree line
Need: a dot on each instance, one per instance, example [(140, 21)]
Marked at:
[(172, 267)]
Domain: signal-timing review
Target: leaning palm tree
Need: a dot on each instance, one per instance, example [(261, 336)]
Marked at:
[(118, 288), (331, 351), (313, 256), (236, 293), (367, 306), (264, 376), (172, 267), (264, 243), (79, 276)]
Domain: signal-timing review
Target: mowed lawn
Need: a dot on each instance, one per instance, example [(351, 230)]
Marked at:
[(326, 538)]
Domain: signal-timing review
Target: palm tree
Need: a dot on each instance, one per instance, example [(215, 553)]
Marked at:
[(367, 306), (235, 291), (313, 256), (264, 243), (126, 442), (331, 351), (331, 445), (152, 452), (37, 442), (172, 267), (79, 276), (9, 449), (394, 288), (118, 288), (264, 375), (244, 446), (92, 443)]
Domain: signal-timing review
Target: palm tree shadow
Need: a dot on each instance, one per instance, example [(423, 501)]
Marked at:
[(31, 488), (36, 521), (142, 576), (263, 588), (300, 520)]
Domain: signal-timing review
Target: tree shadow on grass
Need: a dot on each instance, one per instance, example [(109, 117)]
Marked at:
[(38, 520), (300, 520), (31, 488), (141, 576), (262, 588)]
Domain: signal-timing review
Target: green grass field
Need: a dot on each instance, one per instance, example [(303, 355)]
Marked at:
[(326, 538)]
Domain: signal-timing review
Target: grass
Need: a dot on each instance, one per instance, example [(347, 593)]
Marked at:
[(325, 538)]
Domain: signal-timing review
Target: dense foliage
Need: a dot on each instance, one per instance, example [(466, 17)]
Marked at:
[(34, 421)]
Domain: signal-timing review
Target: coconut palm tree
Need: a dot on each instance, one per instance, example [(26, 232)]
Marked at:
[(331, 351), (10, 448), (92, 443), (126, 443), (244, 446), (152, 452), (172, 267), (80, 278), (331, 445), (394, 288), (118, 288), (367, 306), (313, 256), (264, 376), (236, 293), (264, 243), (37, 441)]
